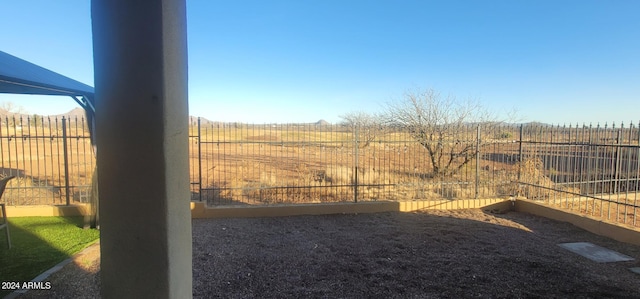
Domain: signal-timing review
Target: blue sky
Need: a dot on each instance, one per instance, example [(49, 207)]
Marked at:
[(300, 61)]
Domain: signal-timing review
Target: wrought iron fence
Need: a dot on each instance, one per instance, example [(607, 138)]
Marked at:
[(51, 158), (590, 169), (241, 163)]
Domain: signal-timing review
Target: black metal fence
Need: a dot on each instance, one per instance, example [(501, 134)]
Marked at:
[(310, 163), (591, 169), (51, 158)]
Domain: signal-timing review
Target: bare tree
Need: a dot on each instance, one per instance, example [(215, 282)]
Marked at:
[(443, 125), (367, 126), (12, 113), (12, 108)]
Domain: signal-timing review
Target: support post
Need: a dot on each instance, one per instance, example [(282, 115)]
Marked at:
[(142, 135)]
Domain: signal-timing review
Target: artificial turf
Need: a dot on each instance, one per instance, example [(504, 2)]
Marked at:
[(39, 243)]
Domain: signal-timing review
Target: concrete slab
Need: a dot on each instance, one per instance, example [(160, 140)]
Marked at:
[(635, 270), (595, 252)]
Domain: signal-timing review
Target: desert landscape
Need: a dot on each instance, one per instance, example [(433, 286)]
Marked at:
[(251, 164)]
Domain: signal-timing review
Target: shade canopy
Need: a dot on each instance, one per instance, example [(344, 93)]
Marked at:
[(19, 76)]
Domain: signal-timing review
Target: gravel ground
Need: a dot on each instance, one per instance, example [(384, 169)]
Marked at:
[(431, 254)]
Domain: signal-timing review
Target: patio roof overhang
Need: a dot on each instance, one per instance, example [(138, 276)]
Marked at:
[(18, 76)]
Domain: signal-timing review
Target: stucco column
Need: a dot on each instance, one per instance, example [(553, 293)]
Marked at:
[(140, 60)]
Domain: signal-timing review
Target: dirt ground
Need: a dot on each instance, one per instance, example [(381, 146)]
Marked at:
[(430, 254)]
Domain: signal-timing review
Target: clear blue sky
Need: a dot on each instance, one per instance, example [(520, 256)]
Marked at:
[(300, 61)]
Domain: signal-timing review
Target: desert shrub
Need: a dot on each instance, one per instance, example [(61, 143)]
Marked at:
[(504, 135), (532, 172), (539, 185), (366, 176)]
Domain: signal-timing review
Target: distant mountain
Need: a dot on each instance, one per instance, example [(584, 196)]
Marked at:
[(193, 120), (79, 113), (75, 112), (536, 124), (322, 122)]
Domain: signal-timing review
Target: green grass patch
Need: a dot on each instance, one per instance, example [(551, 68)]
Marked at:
[(39, 243)]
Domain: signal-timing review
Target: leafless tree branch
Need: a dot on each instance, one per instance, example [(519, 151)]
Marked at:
[(443, 125)]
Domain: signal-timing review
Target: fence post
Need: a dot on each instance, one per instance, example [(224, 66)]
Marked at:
[(520, 154), (65, 159), (616, 169), (355, 170), (477, 161), (199, 162)]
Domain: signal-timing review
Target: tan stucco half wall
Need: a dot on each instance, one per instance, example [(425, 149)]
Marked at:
[(47, 211), (200, 210), (616, 231)]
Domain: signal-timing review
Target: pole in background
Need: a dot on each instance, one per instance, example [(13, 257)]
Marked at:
[(66, 159)]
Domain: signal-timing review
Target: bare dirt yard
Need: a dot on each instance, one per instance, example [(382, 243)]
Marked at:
[(430, 254)]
